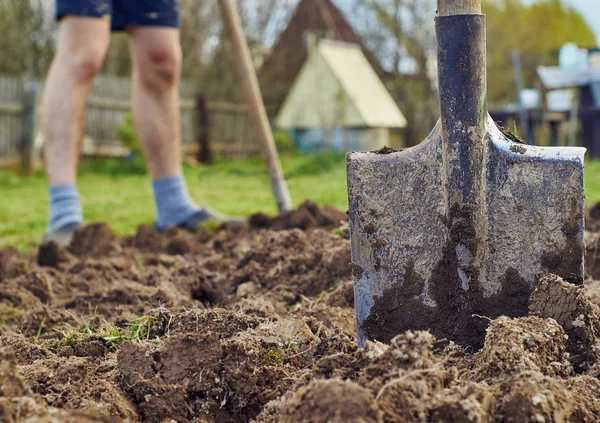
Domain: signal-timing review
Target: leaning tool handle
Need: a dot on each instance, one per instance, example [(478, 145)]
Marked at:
[(255, 103)]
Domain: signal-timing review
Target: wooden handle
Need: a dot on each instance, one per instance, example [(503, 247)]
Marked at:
[(458, 7), (256, 106)]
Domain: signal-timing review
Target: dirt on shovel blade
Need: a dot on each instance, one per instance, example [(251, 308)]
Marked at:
[(256, 323)]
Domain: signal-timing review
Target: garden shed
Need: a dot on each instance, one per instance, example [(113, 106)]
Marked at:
[(338, 102)]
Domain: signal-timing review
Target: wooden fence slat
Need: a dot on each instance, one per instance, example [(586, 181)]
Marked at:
[(226, 128)]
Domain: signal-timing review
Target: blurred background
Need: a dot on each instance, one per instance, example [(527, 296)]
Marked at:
[(336, 76)]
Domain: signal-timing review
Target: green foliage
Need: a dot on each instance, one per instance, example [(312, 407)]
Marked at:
[(9, 314), (272, 357), (126, 133), (238, 188), (140, 265), (140, 328), (537, 31), (317, 163), (284, 142), (137, 330), (592, 182), (27, 41), (210, 226)]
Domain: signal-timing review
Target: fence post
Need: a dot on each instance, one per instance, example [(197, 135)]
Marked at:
[(204, 151), (27, 146)]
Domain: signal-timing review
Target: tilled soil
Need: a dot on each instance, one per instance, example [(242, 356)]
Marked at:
[(256, 323)]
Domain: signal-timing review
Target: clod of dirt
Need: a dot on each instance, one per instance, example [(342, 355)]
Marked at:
[(16, 401), (580, 318), (592, 291), (342, 296), (332, 401), (531, 397), (592, 254), (11, 265), (25, 352), (40, 285), (471, 403), (410, 397), (179, 246), (592, 221), (74, 417), (524, 344), (79, 384), (348, 365), (96, 240), (146, 239), (308, 215), (51, 254), (407, 352)]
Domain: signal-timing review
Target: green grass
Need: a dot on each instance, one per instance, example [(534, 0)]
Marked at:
[(592, 182), (119, 192)]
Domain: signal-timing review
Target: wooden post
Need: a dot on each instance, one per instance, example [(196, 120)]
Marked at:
[(247, 75), (458, 7), (204, 151), (29, 113)]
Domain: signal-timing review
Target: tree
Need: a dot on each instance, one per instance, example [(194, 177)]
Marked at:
[(407, 35), (404, 29), (27, 41), (536, 31)]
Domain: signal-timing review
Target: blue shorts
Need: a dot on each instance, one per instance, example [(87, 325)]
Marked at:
[(123, 13)]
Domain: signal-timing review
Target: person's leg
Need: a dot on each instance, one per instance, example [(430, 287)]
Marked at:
[(82, 45), (156, 56)]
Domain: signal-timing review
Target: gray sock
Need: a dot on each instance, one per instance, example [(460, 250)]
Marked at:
[(65, 209)]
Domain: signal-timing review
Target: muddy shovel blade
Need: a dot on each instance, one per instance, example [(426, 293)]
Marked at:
[(460, 228)]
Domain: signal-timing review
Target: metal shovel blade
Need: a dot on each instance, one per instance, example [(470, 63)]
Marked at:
[(459, 228)]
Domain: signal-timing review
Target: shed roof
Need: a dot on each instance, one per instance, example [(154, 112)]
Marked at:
[(338, 87), (282, 66)]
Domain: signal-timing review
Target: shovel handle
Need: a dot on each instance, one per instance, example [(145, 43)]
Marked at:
[(458, 7), (247, 75)]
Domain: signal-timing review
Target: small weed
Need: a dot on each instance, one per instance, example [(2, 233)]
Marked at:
[(111, 334), (385, 150), (174, 268), (40, 329), (140, 328), (293, 343), (210, 226), (140, 265), (323, 295), (70, 335), (10, 315), (272, 357)]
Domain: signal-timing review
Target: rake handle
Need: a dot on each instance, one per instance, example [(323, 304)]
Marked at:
[(458, 7)]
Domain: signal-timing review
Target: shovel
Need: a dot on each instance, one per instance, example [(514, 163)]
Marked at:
[(457, 230)]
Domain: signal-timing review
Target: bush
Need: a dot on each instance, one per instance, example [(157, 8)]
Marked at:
[(126, 134), (284, 142)]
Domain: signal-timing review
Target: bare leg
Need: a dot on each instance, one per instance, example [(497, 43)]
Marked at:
[(156, 55), (82, 45)]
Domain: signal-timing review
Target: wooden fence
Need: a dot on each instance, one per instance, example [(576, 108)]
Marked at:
[(213, 127)]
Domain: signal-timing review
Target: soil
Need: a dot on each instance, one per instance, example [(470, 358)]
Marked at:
[(256, 323)]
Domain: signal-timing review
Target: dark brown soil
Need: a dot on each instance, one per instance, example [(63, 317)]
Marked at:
[(257, 324)]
